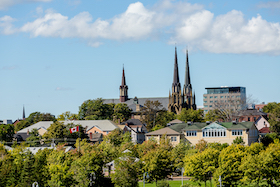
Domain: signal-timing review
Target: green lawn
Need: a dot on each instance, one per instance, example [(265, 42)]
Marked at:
[(174, 184)]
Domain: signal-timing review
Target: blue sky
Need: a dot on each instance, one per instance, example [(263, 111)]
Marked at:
[(55, 54)]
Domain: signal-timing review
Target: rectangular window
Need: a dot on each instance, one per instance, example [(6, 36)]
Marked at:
[(205, 110), (173, 139), (211, 97), (222, 97), (205, 97), (205, 101), (210, 105), (211, 101), (190, 133), (237, 132), (205, 105), (216, 97)]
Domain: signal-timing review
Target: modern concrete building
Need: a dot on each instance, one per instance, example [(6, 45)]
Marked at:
[(233, 98)]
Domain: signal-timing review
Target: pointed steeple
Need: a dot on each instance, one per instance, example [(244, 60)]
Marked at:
[(23, 113), (187, 72), (123, 89), (123, 78), (176, 73)]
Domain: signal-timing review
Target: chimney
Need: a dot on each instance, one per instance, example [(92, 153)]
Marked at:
[(90, 135), (27, 131), (208, 122), (234, 122), (132, 116)]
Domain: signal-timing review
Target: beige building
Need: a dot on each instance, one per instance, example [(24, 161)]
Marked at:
[(210, 132), (173, 135)]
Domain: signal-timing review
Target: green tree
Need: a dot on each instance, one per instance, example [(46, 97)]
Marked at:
[(34, 118), (269, 138), (238, 140), (215, 115), (179, 152), (230, 159), (273, 109), (67, 116), (56, 130), (34, 138), (127, 170), (158, 162), (148, 113), (191, 115), (122, 112), (163, 117), (96, 110), (6, 132), (202, 165)]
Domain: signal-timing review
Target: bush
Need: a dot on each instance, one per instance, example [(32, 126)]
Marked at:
[(186, 185), (163, 183)]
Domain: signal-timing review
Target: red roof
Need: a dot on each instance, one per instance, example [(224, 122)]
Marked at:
[(264, 130)]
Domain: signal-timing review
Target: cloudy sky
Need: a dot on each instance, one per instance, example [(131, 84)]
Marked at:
[(55, 54)]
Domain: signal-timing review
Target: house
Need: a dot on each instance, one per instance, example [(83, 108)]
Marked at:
[(262, 122), (136, 128), (173, 135), (209, 131), (250, 114), (92, 126)]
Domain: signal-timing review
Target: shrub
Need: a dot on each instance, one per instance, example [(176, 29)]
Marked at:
[(163, 183)]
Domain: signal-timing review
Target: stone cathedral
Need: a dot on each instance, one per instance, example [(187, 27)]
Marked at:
[(177, 99)]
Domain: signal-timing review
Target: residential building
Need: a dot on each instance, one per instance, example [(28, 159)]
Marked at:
[(232, 98), (250, 114), (137, 130), (171, 134), (262, 122), (210, 132), (173, 122), (177, 99), (92, 126)]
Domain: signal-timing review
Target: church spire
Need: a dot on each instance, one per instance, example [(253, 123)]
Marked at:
[(123, 78), (123, 89), (176, 73), (187, 72), (176, 86), (23, 113)]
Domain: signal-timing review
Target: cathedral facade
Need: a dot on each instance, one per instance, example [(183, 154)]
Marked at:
[(176, 101)]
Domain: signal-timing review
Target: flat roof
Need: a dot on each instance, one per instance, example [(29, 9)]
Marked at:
[(224, 87)]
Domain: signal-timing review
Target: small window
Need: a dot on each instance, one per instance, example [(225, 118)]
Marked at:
[(205, 110), (211, 101), (211, 97), (222, 97), (249, 119), (205, 105), (205, 97), (210, 105), (205, 101), (216, 97)]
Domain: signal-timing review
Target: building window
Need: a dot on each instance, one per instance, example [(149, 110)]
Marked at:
[(255, 118), (216, 97), (173, 139), (205, 110), (205, 105), (214, 133), (237, 132), (205, 101), (222, 97), (248, 118), (210, 105), (205, 97), (190, 133), (211, 101), (211, 97)]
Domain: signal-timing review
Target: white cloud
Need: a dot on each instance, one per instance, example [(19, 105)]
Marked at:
[(179, 22), (7, 3), (6, 26), (230, 33)]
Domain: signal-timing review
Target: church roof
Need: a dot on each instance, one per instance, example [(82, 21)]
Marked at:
[(141, 101)]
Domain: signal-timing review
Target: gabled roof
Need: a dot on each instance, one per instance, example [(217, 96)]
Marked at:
[(176, 121), (199, 126), (250, 112), (104, 125), (166, 130)]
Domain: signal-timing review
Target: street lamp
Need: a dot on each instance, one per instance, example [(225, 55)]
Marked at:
[(147, 176), (35, 184), (182, 175), (92, 178)]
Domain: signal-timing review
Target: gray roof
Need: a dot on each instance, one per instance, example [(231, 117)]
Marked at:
[(141, 101), (250, 112), (104, 125), (34, 150), (166, 130)]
